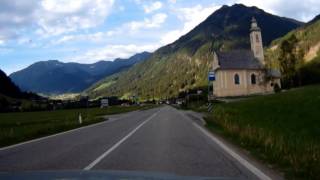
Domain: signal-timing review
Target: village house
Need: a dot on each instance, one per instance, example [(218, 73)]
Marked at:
[(243, 72)]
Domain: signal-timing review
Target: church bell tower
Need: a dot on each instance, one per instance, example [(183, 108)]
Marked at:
[(256, 41)]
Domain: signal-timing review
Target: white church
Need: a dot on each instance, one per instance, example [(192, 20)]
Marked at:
[(243, 72)]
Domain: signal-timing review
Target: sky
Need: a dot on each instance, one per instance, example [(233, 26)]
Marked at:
[(86, 31)]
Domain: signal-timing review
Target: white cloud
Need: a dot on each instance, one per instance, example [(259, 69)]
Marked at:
[(23, 40), (190, 17), (172, 1), (15, 16), (62, 6), (111, 52), (154, 22), (302, 10), (94, 37), (50, 17), (62, 16), (132, 28), (152, 7), (56, 17)]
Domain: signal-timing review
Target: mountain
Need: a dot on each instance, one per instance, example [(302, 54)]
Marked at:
[(308, 40), (297, 54), (13, 99), (184, 64), (54, 77), (7, 87), (315, 19)]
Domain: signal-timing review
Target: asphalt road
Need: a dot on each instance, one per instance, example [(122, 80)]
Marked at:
[(156, 140)]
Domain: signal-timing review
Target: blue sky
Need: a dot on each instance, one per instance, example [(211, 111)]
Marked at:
[(86, 31)]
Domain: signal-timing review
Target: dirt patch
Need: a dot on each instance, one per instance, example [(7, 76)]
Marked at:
[(274, 47), (312, 53)]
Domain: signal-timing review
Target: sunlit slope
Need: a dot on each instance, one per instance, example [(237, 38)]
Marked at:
[(184, 64)]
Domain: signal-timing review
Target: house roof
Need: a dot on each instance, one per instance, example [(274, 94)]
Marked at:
[(238, 59)]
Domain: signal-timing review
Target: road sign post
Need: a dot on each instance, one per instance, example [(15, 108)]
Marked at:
[(211, 78), (80, 118)]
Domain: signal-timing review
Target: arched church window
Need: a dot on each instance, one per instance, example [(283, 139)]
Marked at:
[(236, 79), (253, 79)]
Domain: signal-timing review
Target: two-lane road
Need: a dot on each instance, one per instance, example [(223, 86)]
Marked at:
[(157, 140)]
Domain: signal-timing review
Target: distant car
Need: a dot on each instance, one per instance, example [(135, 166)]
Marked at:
[(125, 104)]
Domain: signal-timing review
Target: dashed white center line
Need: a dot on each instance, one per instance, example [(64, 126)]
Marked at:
[(95, 162)]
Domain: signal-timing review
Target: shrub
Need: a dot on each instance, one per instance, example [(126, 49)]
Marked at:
[(276, 88), (310, 72)]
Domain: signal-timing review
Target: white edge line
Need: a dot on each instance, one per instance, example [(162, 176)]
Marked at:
[(58, 134), (106, 153), (236, 156)]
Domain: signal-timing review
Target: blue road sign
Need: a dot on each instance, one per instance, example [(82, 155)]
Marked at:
[(212, 76)]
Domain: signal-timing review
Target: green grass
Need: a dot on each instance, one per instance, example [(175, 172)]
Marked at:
[(104, 86), (200, 106), (281, 129), (22, 126)]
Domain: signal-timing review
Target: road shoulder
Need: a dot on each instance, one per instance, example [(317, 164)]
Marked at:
[(198, 119)]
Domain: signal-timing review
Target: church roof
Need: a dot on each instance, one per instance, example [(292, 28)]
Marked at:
[(238, 59)]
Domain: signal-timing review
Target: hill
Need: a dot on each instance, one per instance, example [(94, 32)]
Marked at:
[(7, 87), (297, 54), (54, 77), (184, 64), (11, 97)]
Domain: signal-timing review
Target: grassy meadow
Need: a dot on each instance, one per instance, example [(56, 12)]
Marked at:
[(22, 126), (281, 129)]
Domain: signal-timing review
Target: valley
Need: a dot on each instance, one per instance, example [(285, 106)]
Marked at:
[(197, 92)]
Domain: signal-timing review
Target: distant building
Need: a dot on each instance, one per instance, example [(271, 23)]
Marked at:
[(243, 72), (104, 103)]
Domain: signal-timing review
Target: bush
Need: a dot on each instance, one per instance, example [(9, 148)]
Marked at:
[(276, 88), (4, 104), (310, 73)]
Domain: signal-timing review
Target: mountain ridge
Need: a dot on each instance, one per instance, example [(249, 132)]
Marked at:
[(183, 64), (8, 88), (55, 77)]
